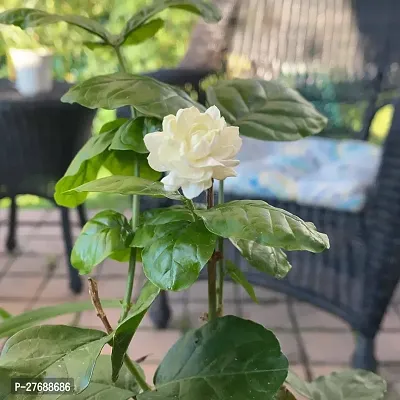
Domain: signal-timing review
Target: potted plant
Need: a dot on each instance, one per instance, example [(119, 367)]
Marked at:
[(228, 357), (30, 64)]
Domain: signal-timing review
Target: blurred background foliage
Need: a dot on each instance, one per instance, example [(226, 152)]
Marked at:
[(73, 61)]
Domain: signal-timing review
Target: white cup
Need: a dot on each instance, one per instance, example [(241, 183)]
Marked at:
[(33, 71)]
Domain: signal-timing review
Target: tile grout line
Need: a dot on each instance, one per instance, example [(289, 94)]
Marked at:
[(304, 359)]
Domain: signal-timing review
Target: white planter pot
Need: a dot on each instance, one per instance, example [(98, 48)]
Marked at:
[(33, 71)]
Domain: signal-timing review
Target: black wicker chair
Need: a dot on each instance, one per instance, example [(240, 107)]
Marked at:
[(347, 65), (39, 138)]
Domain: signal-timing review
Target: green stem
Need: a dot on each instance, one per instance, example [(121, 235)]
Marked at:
[(190, 206), (212, 270), (220, 265), (121, 59), (132, 260), (135, 372)]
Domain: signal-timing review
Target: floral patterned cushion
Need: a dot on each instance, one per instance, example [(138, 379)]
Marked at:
[(316, 171)]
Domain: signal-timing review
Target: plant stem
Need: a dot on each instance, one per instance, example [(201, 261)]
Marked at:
[(132, 260), (94, 295), (220, 265), (121, 59), (136, 373), (190, 206), (212, 270)]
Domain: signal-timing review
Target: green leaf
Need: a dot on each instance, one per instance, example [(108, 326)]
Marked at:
[(257, 221), (128, 185), (122, 163), (228, 358), (108, 232), (270, 260), (161, 216), (14, 324), (266, 110), (346, 385), (83, 168), (4, 314), (130, 135), (127, 328), (205, 8), (113, 125), (56, 351), (102, 387), (147, 95), (31, 18), (174, 254), (239, 277), (144, 32)]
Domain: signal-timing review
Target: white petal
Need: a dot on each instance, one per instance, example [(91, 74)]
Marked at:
[(208, 162), (222, 173), (169, 124), (185, 119), (153, 141), (214, 112), (231, 163), (192, 190), (171, 182), (186, 170), (156, 163)]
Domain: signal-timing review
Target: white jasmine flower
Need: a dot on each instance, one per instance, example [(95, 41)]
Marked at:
[(194, 147)]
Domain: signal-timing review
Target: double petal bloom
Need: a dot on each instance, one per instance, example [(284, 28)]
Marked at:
[(194, 148)]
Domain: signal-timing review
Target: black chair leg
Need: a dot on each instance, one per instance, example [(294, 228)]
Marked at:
[(11, 243), (160, 311), (82, 215), (364, 354), (75, 282)]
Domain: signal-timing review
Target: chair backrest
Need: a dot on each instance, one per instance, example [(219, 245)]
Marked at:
[(38, 141), (340, 54)]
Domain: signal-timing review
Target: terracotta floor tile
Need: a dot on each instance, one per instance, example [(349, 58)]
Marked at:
[(5, 261), (90, 319), (309, 316), (388, 347), (32, 265), (120, 269), (329, 348), (269, 315), (39, 246), (32, 215), (289, 346), (114, 288), (299, 370), (19, 287), (391, 320), (184, 318), (14, 307), (58, 288), (149, 371), (154, 343), (390, 372), (198, 292)]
